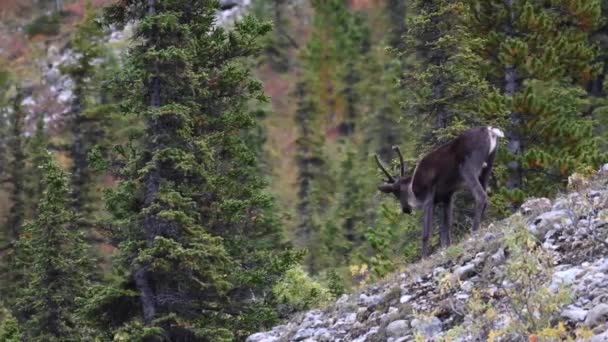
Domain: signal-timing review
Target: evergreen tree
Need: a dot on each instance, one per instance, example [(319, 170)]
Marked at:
[(51, 261), (84, 126), (344, 232), (442, 82), (312, 174), (539, 59), (278, 46), (16, 168), (36, 151), (200, 246)]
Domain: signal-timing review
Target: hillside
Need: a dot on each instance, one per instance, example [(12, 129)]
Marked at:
[(538, 275)]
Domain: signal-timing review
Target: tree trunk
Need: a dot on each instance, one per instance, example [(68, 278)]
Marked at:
[(511, 86), (150, 222), (17, 212)]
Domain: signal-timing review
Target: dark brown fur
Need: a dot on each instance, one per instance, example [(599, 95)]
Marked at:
[(465, 161)]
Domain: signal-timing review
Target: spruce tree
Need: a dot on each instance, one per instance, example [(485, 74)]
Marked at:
[(36, 151), (539, 58), (441, 80), (51, 261), (84, 126), (312, 174), (16, 214), (200, 245)]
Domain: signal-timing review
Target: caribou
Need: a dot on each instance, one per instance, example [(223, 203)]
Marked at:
[(466, 161)]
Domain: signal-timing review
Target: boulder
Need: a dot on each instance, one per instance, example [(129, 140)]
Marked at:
[(535, 206), (555, 219), (397, 328), (597, 315)]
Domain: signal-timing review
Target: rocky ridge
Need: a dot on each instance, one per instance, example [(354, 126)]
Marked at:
[(54, 90), (473, 296)]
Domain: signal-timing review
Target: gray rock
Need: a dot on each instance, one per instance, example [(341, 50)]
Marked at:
[(574, 313), (303, 334), (597, 315), (603, 337), (535, 206), (603, 267), (427, 327), (65, 96), (397, 328), (465, 272), (466, 286), (565, 277), (404, 299), (261, 337), (438, 271), (555, 219), (351, 318), (322, 335), (343, 299), (498, 258), (488, 237), (365, 300)]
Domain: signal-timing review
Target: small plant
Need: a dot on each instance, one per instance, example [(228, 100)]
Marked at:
[(454, 252), (531, 305), (299, 291), (335, 284), (9, 328)]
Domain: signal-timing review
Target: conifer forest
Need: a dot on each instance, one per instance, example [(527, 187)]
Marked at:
[(201, 170)]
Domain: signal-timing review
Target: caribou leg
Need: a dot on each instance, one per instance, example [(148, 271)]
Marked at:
[(427, 227), (445, 234), (468, 174)]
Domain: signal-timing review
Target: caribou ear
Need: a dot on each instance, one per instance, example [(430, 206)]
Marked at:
[(387, 187)]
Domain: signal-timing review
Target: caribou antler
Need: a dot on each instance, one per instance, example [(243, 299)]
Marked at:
[(402, 165), (388, 175)]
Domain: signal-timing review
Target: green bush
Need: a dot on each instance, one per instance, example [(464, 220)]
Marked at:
[(44, 24), (299, 291), (9, 328)]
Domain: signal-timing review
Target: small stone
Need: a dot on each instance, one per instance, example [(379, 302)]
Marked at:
[(350, 318), (597, 315), (323, 335), (427, 327), (574, 313), (489, 237), (535, 206), (261, 337), (343, 299), (555, 219), (498, 258), (303, 334), (603, 267), (603, 337), (565, 277), (397, 328), (404, 299), (438, 271), (365, 300), (466, 286)]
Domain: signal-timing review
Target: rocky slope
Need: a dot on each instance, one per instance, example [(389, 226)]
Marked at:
[(48, 90), (539, 275)]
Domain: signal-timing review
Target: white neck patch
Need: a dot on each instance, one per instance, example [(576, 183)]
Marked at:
[(412, 201), (494, 134)]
